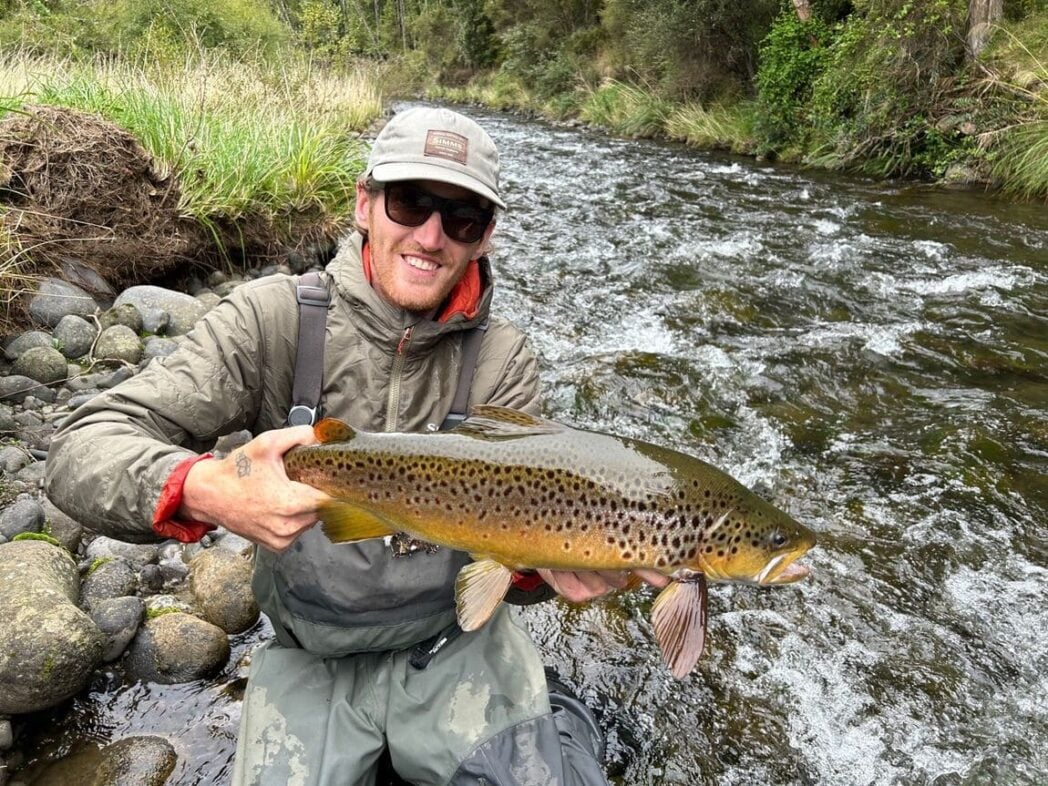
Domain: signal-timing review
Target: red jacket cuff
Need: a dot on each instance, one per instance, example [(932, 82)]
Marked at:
[(527, 581), (164, 522)]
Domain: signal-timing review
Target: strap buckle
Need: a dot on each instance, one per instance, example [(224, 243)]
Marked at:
[(301, 415), (312, 296)]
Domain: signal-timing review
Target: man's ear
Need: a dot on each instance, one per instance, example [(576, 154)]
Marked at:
[(485, 242), (363, 207)]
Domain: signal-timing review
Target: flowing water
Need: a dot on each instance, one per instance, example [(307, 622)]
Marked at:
[(871, 357)]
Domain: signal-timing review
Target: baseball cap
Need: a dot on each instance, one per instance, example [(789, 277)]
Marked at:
[(434, 143)]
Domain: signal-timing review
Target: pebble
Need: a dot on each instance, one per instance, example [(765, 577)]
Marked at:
[(24, 515)]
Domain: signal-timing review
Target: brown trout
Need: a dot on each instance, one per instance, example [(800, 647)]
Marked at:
[(520, 492)]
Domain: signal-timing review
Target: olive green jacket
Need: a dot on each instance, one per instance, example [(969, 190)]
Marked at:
[(384, 369)]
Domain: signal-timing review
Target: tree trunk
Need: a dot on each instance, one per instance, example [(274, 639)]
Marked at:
[(803, 9), (982, 14)]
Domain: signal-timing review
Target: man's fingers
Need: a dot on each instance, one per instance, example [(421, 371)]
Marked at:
[(652, 577)]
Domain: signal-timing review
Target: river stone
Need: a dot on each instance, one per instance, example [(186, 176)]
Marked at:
[(34, 338), (132, 761), (221, 585), (15, 388), (124, 314), (7, 418), (75, 336), (175, 648), (62, 527), (33, 474), (166, 604), (82, 397), (156, 303), (48, 647), (159, 347), (118, 619), (7, 736), (115, 377), (24, 515), (135, 554), (43, 364), (56, 298), (12, 459), (110, 577), (119, 343)]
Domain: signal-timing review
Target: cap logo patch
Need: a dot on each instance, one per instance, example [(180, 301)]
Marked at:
[(445, 144)]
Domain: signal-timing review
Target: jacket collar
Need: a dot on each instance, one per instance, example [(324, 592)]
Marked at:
[(384, 324)]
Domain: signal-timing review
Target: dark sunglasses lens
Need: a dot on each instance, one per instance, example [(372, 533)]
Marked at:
[(411, 207), (465, 223), (408, 206)]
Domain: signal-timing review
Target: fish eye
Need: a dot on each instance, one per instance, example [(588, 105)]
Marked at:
[(777, 539)]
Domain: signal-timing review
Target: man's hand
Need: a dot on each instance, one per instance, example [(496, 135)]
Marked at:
[(582, 585), (249, 493)]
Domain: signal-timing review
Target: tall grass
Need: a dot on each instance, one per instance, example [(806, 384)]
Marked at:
[(245, 138), (718, 126), (1019, 60), (626, 109)]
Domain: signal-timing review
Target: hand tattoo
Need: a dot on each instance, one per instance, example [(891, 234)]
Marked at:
[(243, 464)]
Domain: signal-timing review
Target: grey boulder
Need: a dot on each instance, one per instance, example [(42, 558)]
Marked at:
[(163, 310), (48, 646), (42, 364), (24, 515), (176, 647), (55, 299), (132, 761), (119, 343), (118, 619), (220, 581), (74, 336)]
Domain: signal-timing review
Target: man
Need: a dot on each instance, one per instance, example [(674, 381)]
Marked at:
[(367, 655)]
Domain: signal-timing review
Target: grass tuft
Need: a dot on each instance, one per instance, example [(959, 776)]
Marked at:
[(718, 127), (626, 109)]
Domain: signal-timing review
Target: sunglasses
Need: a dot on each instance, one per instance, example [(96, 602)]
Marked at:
[(411, 206)]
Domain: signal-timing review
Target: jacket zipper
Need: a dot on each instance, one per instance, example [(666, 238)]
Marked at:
[(393, 403)]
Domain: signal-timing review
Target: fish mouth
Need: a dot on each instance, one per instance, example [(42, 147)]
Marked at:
[(782, 570)]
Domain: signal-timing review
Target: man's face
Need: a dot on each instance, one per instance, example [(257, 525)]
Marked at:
[(415, 268)]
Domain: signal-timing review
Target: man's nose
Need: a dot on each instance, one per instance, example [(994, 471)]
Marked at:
[(430, 234)]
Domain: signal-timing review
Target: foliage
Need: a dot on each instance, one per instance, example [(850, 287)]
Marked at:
[(792, 57), (1017, 64), (74, 28), (882, 90), (879, 85), (703, 48), (625, 109), (41, 536), (728, 127)]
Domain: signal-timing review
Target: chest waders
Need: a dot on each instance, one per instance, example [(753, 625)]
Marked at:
[(455, 709)]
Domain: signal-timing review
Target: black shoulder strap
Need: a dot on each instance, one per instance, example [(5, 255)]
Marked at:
[(313, 298), (471, 342)]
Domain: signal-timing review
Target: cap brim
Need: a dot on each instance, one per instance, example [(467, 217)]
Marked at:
[(391, 173)]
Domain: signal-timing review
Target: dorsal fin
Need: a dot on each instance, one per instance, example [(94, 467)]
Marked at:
[(487, 421), (333, 430)]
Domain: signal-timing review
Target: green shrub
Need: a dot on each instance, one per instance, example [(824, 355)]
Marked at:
[(792, 57)]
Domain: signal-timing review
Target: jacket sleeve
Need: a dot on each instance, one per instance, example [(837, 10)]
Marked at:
[(111, 457)]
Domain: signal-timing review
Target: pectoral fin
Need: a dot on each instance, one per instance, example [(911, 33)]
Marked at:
[(344, 522), (679, 618), (479, 589)]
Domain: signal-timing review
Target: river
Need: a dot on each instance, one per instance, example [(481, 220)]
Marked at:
[(873, 358)]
